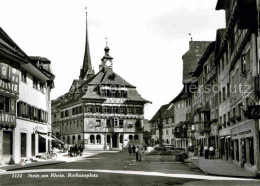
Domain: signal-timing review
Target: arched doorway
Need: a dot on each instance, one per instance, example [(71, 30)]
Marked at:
[(114, 141), (130, 138)]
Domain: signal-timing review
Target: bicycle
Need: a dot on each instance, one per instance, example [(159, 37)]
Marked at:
[(49, 155)]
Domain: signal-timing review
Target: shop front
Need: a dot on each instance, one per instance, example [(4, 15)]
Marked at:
[(244, 145)]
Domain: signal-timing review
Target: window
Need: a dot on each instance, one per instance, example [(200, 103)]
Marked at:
[(98, 109), (107, 109), (42, 87), (35, 83), (98, 137), (108, 124), (121, 123), (4, 104), (138, 110), (115, 109), (113, 93), (136, 138), (123, 94), (23, 76), (89, 109), (122, 110), (92, 139), (130, 110), (166, 132)]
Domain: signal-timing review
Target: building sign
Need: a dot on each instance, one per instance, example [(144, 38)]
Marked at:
[(253, 112), (9, 79), (7, 119)]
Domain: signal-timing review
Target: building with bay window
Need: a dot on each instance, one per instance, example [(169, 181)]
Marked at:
[(25, 87)]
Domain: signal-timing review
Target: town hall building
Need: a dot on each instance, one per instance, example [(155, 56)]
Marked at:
[(101, 110)]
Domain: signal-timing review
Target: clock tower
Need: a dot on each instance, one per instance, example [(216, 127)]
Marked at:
[(107, 60)]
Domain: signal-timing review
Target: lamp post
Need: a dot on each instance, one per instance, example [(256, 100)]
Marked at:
[(160, 126)]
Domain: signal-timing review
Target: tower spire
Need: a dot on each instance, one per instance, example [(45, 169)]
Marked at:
[(86, 71)]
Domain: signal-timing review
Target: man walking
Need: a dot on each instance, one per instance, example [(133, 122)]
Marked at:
[(136, 152), (206, 151), (133, 149), (211, 152)]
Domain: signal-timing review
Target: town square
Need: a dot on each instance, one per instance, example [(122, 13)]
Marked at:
[(141, 92)]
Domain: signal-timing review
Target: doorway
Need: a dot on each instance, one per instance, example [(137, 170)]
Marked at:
[(114, 141), (23, 144), (8, 143)]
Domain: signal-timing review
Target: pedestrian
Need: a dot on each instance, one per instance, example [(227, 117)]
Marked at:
[(78, 149), (130, 150), (75, 150), (81, 149), (201, 150), (133, 149), (211, 152), (145, 147), (195, 151), (136, 153), (206, 151)]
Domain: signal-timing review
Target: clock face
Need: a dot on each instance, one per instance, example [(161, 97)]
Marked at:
[(109, 63)]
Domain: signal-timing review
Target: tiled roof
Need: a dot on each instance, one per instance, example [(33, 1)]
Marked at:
[(134, 96), (76, 83), (178, 97), (161, 110), (108, 77), (92, 95)]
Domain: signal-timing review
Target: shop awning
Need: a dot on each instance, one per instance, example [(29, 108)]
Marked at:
[(46, 137)]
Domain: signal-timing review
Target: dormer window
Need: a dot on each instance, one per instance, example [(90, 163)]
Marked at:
[(112, 77)]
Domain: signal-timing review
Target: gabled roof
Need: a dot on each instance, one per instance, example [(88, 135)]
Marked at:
[(178, 97), (76, 83), (104, 77), (11, 45), (161, 110)]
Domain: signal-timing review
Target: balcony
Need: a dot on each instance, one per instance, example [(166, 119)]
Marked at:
[(203, 127), (7, 120)]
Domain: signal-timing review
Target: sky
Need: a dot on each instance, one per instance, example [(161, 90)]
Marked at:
[(147, 38)]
